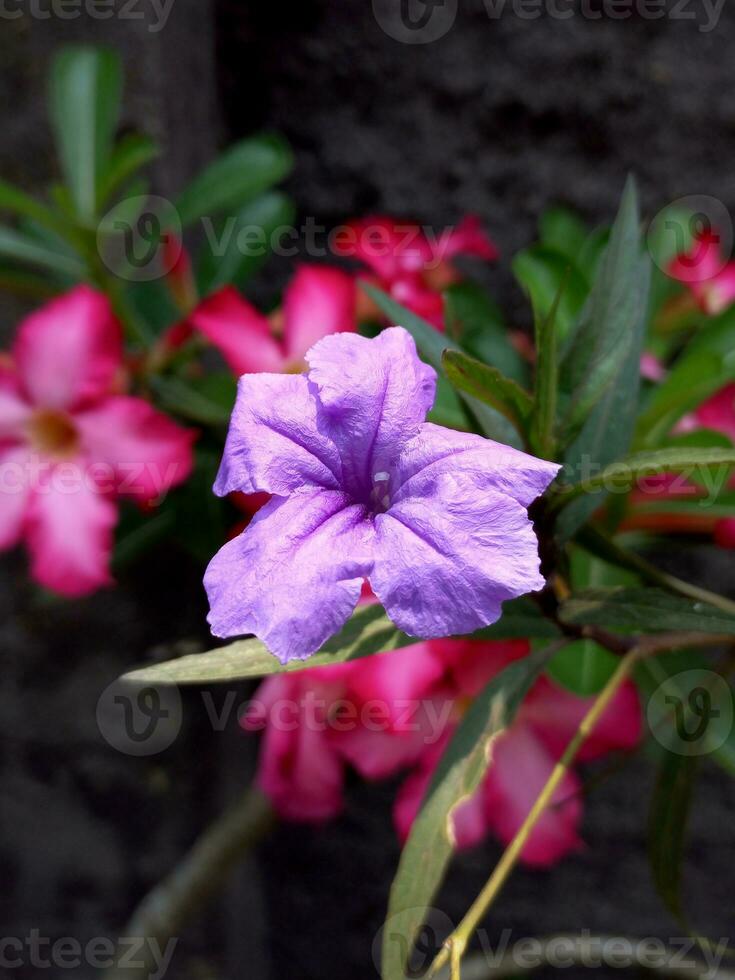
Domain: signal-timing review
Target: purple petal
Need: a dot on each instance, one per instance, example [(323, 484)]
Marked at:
[(436, 451), (273, 443), (293, 577), (375, 395), (445, 563)]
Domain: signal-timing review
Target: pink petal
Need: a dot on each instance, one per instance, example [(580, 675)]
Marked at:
[(298, 769), (69, 351), (519, 768), (702, 263), (394, 679), (70, 534), (474, 663), (719, 292), (15, 475), (651, 368), (14, 409), (239, 332), (718, 412), (725, 532), (145, 451), (468, 238), (411, 292), (318, 301), (388, 246), (555, 714)]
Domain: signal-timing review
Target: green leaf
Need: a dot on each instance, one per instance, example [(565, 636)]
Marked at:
[(243, 171), (546, 381), (448, 410), (542, 272), (621, 476), (131, 153), (19, 247), (608, 432), (606, 331), (431, 345), (476, 322), (19, 203), (583, 667), (521, 619), (564, 231), (208, 400), (667, 824), (490, 386), (645, 610), (367, 632), (430, 846), (230, 253), (85, 92)]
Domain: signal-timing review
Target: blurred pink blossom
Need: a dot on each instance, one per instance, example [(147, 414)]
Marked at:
[(386, 713), (71, 443), (319, 300), (707, 273), (409, 264)]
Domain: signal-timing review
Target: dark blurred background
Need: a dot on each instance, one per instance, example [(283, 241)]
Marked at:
[(500, 117)]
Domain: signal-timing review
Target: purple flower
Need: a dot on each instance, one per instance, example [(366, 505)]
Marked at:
[(364, 488)]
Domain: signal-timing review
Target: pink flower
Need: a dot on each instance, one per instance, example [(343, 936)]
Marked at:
[(409, 265), (319, 300), (70, 444), (385, 713), (709, 276), (523, 757)]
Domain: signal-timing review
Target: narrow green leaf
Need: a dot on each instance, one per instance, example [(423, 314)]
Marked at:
[(430, 846), (490, 386), (19, 203), (645, 610), (431, 345), (476, 322), (85, 92), (19, 247), (608, 432), (541, 272), (243, 171), (621, 476), (564, 231), (237, 246), (367, 632), (208, 400), (546, 381), (131, 153), (667, 824), (583, 667), (602, 340)]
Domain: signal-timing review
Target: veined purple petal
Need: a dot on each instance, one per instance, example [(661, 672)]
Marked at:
[(445, 563), (375, 394), (273, 443), (491, 465), (293, 577)]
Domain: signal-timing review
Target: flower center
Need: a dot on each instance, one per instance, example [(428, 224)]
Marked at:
[(53, 433), (380, 495)]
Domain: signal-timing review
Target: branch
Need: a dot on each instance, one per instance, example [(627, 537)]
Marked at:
[(165, 910)]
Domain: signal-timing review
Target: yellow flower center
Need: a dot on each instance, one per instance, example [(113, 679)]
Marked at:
[(53, 433)]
